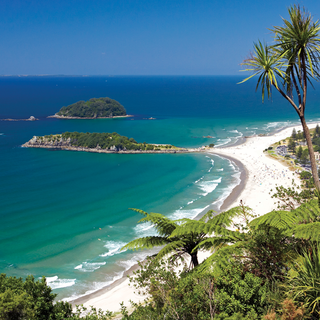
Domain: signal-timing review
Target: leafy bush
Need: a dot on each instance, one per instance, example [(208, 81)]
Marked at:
[(29, 299), (234, 294)]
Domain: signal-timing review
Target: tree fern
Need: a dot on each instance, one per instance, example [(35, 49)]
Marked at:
[(308, 212), (145, 243), (182, 242), (310, 231), (278, 219)]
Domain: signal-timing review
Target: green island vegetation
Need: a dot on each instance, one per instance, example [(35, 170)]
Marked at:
[(94, 108), (107, 141), (265, 268)]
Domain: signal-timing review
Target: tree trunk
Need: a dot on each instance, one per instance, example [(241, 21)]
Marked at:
[(311, 153), (194, 259)]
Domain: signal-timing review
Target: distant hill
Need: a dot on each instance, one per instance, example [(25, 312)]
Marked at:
[(92, 109)]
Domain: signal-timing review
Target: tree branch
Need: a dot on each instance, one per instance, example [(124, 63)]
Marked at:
[(289, 99), (296, 86), (304, 71)]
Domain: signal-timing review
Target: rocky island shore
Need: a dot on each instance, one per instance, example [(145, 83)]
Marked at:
[(100, 143), (31, 118)]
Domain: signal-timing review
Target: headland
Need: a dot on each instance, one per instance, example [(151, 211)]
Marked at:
[(101, 143)]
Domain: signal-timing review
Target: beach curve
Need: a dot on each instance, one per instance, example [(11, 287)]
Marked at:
[(259, 174)]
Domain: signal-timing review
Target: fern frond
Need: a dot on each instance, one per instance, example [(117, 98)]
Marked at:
[(208, 216), (189, 227), (281, 220), (139, 211), (308, 211), (223, 220), (162, 224), (169, 248), (145, 243), (217, 242), (309, 231), (221, 257)]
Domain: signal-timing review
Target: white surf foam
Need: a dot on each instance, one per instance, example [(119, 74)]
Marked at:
[(190, 214), (220, 169), (199, 179), (89, 266), (95, 286), (56, 283), (144, 229), (113, 248), (208, 186), (222, 142)]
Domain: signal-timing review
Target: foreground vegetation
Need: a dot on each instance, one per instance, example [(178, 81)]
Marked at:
[(93, 108), (260, 268)]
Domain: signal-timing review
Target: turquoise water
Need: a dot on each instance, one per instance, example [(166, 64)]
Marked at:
[(65, 214)]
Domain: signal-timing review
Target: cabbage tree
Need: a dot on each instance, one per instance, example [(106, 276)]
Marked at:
[(289, 65)]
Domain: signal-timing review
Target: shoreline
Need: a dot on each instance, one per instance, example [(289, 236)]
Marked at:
[(95, 150), (258, 174), (88, 118)]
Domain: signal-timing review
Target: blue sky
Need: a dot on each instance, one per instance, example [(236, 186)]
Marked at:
[(135, 37)]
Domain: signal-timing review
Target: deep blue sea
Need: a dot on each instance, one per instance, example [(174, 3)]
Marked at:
[(65, 215)]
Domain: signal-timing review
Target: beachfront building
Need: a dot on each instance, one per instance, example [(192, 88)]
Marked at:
[(282, 150)]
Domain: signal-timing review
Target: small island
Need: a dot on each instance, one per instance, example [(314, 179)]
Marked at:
[(101, 143), (92, 109)]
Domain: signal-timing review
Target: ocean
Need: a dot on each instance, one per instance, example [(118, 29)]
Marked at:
[(65, 215)]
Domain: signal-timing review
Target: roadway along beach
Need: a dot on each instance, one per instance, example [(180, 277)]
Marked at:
[(263, 173)]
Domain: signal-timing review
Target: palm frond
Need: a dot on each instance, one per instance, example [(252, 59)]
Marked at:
[(267, 65)]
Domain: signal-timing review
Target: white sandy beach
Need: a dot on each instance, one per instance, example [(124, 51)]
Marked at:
[(263, 174)]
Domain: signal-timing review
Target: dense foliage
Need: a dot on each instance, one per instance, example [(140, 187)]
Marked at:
[(33, 300), (197, 295), (109, 141), (94, 108), (29, 299), (104, 141), (260, 269)]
